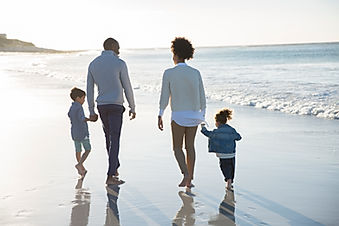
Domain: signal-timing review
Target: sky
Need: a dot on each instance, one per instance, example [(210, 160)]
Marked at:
[(85, 24)]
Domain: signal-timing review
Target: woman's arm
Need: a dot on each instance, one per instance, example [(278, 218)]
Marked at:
[(165, 94), (202, 94), (164, 98)]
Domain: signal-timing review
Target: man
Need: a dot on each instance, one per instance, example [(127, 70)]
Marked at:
[(110, 75)]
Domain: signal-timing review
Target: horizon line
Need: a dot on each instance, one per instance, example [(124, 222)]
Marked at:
[(218, 46)]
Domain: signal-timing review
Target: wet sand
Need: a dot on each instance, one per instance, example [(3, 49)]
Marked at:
[(287, 167)]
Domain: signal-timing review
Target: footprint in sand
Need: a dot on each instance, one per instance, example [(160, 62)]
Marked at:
[(31, 189), (247, 216), (6, 197), (23, 213)]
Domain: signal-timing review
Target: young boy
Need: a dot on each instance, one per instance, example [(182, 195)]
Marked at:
[(222, 142), (79, 129)]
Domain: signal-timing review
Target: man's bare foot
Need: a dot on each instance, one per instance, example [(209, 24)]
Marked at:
[(113, 180), (184, 181), (229, 187)]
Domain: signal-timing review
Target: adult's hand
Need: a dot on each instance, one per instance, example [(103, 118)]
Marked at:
[(93, 118), (160, 124), (132, 115)]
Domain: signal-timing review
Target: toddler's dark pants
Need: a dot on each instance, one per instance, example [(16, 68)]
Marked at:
[(227, 167)]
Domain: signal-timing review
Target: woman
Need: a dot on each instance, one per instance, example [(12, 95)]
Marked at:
[(183, 85)]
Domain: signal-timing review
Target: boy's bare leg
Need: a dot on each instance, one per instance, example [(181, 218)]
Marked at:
[(81, 162), (84, 157), (78, 166)]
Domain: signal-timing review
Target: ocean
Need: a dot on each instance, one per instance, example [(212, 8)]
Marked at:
[(298, 79)]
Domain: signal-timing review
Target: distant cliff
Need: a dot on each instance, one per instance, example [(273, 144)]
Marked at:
[(15, 45)]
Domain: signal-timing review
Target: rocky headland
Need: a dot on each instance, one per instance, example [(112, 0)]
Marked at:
[(15, 45)]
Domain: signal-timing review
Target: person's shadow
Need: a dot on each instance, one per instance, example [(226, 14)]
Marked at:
[(226, 211), (185, 215), (112, 212), (82, 201)]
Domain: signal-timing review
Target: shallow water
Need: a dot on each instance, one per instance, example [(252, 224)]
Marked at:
[(296, 79)]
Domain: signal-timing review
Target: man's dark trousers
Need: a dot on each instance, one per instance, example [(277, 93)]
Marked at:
[(111, 117)]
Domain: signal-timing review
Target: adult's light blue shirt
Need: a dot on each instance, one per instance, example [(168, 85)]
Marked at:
[(110, 74)]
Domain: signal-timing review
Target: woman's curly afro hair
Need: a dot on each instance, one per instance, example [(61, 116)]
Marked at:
[(182, 48)]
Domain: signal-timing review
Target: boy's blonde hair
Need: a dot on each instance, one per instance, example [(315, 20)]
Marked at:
[(223, 115)]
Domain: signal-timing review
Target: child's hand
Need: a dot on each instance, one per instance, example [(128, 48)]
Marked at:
[(203, 125)]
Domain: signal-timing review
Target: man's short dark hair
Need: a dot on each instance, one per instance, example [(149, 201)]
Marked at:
[(75, 92), (109, 43), (182, 48)]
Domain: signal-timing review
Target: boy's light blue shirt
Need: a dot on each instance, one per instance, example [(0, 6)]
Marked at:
[(110, 74), (79, 128)]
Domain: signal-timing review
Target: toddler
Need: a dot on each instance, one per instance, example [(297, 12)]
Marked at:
[(222, 142)]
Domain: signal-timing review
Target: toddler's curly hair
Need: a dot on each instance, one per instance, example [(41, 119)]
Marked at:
[(223, 115), (182, 48)]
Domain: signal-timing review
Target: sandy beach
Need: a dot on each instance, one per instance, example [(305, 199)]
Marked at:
[(287, 166)]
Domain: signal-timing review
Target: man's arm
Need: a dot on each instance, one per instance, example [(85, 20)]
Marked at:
[(126, 84), (90, 93)]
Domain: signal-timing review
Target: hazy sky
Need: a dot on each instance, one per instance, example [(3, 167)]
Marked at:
[(84, 24)]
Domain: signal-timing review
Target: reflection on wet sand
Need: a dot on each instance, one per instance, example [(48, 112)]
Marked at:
[(80, 210), (185, 215), (226, 211), (112, 213)]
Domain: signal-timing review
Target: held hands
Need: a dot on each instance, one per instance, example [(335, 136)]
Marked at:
[(93, 118), (203, 125), (160, 123)]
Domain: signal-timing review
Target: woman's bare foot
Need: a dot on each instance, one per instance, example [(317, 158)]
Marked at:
[(184, 181)]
